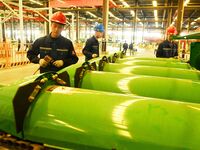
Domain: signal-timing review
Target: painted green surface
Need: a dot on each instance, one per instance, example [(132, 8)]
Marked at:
[(129, 58), (150, 86), (86, 119), (153, 71), (194, 35), (158, 63)]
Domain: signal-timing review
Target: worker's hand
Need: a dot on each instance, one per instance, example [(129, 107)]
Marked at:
[(58, 63), (94, 55), (43, 63)]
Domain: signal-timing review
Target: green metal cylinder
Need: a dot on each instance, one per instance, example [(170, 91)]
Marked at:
[(158, 63), (87, 119), (153, 71), (150, 86), (146, 58)]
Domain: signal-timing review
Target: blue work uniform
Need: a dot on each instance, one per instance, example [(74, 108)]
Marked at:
[(91, 47), (167, 49), (59, 48)]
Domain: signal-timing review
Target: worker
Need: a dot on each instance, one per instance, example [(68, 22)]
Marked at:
[(91, 49), (125, 47), (168, 48), (55, 51)]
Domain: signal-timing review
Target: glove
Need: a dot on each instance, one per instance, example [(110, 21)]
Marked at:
[(43, 63), (94, 55), (58, 63)]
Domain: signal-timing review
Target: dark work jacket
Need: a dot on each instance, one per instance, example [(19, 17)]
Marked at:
[(91, 47), (167, 49), (125, 46), (59, 48)]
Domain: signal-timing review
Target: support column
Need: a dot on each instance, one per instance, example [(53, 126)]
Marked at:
[(180, 16), (105, 23), (77, 27), (21, 24), (72, 28), (12, 29), (143, 27), (1, 30)]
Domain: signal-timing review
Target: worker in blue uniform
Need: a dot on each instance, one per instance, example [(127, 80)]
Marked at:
[(91, 49), (168, 48), (53, 52)]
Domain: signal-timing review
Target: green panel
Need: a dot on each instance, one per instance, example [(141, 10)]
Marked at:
[(158, 63), (159, 87), (85, 119), (153, 71), (195, 55)]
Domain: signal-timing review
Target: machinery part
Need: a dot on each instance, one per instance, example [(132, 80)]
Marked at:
[(153, 71), (115, 57), (48, 59), (149, 86), (132, 58), (109, 59), (114, 121), (10, 142), (22, 101), (102, 62), (62, 78), (27, 93), (81, 71), (158, 63)]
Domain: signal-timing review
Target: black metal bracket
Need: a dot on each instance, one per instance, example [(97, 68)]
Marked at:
[(102, 63), (28, 93), (80, 72), (115, 57)]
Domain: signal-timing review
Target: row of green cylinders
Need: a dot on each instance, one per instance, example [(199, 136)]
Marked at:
[(134, 103)]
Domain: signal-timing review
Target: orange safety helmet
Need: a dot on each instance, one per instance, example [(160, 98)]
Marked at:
[(171, 30), (59, 17)]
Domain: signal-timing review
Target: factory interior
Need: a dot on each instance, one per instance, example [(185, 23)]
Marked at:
[(99, 74)]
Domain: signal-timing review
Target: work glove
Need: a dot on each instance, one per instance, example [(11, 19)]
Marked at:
[(94, 55), (43, 63), (58, 63)]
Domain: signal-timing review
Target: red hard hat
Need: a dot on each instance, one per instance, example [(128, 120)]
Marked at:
[(171, 30), (59, 17)]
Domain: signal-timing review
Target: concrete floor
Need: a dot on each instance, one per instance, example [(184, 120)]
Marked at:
[(13, 74)]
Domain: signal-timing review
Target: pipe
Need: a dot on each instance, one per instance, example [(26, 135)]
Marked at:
[(149, 86), (146, 58), (153, 71), (87, 119), (168, 64)]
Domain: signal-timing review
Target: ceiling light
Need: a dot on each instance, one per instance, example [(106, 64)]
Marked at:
[(154, 3), (186, 2), (125, 4), (132, 13)]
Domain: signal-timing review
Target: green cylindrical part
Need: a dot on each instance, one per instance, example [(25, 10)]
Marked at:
[(153, 71), (158, 63), (150, 86), (146, 58), (87, 119)]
